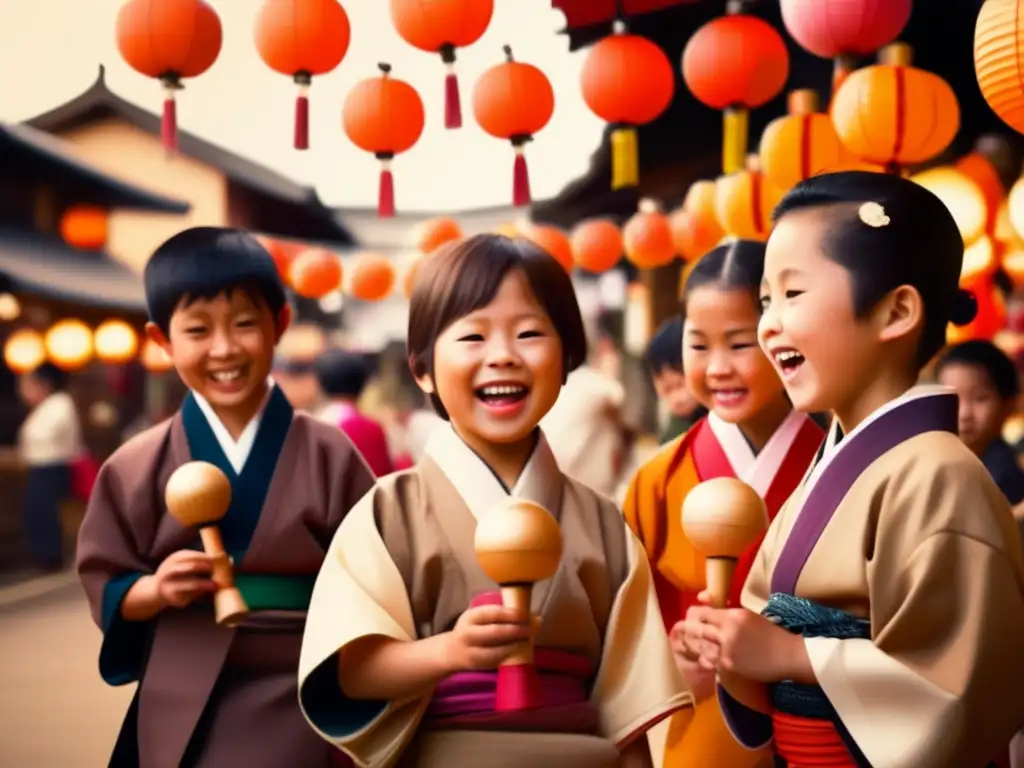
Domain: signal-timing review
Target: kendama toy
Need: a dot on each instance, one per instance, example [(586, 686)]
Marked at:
[(198, 495), (517, 545), (722, 518)]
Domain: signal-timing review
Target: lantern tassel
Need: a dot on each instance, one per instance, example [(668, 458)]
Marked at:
[(520, 179), (169, 123), (386, 192), (452, 102), (302, 115), (735, 135), (625, 158)]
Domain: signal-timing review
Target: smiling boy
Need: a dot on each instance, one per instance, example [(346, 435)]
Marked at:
[(209, 695)]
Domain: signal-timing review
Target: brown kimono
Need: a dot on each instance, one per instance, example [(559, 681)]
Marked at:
[(210, 696), (403, 566)]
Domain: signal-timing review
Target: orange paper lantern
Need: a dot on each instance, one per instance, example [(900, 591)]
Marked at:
[(302, 39), (283, 253), (627, 81), (551, 240), (997, 59), (153, 358), (441, 27), (69, 344), (801, 144), (893, 114), (85, 226), (115, 342), (693, 234), (596, 245), (384, 116), (647, 237), (745, 202), (436, 232), (982, 172), (514, 101), (373, 277), (24, 351), (314, 273), (979, 259), (961, 196)]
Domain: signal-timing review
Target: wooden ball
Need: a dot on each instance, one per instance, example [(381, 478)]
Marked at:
[(197, 494), (518, 542), (724, 516)]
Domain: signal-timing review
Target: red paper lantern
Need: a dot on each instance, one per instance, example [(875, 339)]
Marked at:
[(85, 226), (627, 81), (436, 232), (314, 273), (384, 116), (551, 240), (514, 101), (169, 40), (283, 253), (596, 245), (844, 29), (647, 237), (302, 39), (373, 277), (735, 63), (440, 27)]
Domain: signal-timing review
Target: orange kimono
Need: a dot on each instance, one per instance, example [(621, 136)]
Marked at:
[(653, 509)]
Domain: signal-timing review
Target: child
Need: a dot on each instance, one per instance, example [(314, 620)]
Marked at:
[(882, 618), (210, 696), (664, 358), (751, 433), (986, 383), (342, 377), (398, 658)]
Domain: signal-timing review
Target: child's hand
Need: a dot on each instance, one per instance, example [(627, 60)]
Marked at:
[(745, 643), (182, 577), (484, 636)]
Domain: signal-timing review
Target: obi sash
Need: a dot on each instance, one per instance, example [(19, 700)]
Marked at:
[(275, 592)]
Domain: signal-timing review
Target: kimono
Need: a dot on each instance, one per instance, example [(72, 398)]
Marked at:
[(897, 559), (210, 696), (653, 506), (402, 565)]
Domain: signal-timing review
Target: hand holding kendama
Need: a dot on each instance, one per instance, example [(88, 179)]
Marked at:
[(198, 494), (722, 518), (518, 544)]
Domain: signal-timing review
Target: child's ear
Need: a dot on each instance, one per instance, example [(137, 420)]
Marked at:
[(158, 337), (901, 313), (283, 322), (423, 377)]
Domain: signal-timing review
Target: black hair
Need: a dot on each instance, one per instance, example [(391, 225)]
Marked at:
[(340, 373), (985, 355), (50, 375), (912, 239), (204, 262), (665, 349), (465, 275), (736, 265)]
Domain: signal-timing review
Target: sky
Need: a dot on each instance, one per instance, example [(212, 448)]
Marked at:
[(50, 51)]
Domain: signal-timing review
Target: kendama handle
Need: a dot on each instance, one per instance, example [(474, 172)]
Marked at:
[(719, 572), (518, 598), (229, 606)]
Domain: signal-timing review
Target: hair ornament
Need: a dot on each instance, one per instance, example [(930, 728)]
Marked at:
[(873, 214), (965, 308)]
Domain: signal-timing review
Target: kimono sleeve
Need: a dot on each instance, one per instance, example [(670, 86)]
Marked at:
[(109, 564), (939, 683), (638, 684), (359, 592)]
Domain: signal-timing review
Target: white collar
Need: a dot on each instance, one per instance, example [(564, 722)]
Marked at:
[(757, 471), (540, 481), (237, 452)]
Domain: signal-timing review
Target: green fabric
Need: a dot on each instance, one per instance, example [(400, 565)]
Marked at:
[(269, 592)]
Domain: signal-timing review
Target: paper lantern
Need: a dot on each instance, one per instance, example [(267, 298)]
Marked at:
[(85, 226), (735, 63), (997, 59), (153, 358), (627, 81), (745, 201), (169, 40), (702, 201), (115, 341), (24, 351), (596, 245), (844, 29), (373, 277), (315, 273), (10, 307), (1015, 207), (1013, 264), (979, 259), (283, 252), (434, 233), (551, 240), (441, 26), (514, 101), (69, 344), (982, 172), (647, 237), (893, 114), (961, 196), (692, 234), (302, 39), (384, 116), (801, 144), (409, 280)]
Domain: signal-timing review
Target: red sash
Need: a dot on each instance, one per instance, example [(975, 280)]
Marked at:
[(808, 743)]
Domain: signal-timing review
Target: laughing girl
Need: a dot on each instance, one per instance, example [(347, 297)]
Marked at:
[(399, 654)]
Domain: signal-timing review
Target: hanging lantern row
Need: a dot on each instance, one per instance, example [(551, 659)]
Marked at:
[(70, 344)]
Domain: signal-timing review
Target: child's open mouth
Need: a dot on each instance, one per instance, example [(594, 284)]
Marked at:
[(229, 379), (504, 398), (728, 398), (789, 361)]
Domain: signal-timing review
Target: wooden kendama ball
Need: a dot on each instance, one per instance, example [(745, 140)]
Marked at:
[(722, 518), (518, 544), (198, 495)]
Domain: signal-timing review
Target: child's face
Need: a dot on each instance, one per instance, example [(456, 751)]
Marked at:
[(671, 387), (725, 368), (498, 370), (222, 348), (982, 410), (32, 390)]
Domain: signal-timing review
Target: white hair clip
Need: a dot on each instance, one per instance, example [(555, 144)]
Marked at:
[(873, 214)]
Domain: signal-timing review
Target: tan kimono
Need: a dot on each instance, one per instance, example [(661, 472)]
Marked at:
[(402, 565), (899, 526)]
